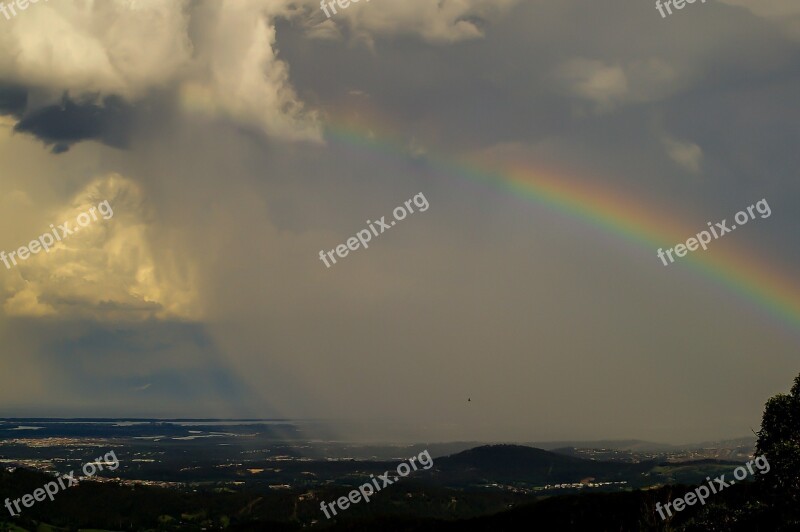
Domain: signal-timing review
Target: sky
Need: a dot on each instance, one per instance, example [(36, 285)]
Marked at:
[(558, 143)]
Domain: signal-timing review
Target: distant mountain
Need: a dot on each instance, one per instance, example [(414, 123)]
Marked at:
[(619, 445), (644, 446), (747, 441), (517, 463)]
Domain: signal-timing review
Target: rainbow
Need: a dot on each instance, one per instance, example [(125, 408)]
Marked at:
[(750, 278), (765, 285)]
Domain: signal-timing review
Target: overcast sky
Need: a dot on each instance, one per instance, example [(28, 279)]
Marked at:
[(207, 126)]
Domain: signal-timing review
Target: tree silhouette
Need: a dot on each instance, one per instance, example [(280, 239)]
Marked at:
[(779, 441)]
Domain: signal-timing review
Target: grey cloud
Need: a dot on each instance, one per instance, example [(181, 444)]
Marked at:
[(13, 100), (70, 122)]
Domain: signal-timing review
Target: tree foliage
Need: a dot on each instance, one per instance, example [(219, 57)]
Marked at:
[(779, 441)]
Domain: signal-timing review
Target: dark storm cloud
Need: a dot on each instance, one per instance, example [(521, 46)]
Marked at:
[(489, 92), (13, 100), (63, 125)]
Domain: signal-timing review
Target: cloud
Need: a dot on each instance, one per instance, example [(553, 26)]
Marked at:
[(131, 49), (25, 303), (434, 22), (592, 80), (610, 85), (242, 77), (687, 155), (783, 13), (113, 47), (220, 58), (13, 100), (768, 8), (70, 122), (107, 271), (16, 197), (325, 30)]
